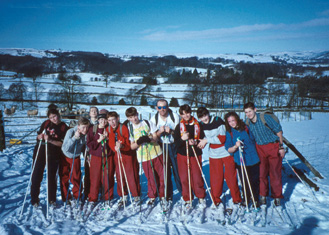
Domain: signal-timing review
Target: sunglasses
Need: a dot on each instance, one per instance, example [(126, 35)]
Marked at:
[(162, 107)]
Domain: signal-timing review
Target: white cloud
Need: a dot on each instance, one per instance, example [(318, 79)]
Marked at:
[(163, 35)]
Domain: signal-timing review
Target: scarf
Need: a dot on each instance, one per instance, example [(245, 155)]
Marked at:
[(194, 122)]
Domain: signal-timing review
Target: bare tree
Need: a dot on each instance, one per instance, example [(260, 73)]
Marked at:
[(17, 91)]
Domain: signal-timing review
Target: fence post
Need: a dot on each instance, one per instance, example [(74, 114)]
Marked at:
[(2, 133)]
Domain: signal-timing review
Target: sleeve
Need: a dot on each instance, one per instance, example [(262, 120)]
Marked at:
[(69, 141), (276, 127), (152, 121), (153, 128), (229, 142), (177, 137), (42, 127)]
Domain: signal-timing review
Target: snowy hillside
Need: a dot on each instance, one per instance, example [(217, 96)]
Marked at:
[(304, 214)]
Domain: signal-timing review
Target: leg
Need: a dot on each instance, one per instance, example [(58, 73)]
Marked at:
[(216, 179), (37, 175), (263, 171), (95, 178), (197, 180), (183, 175), (76, 177), (231, 180)]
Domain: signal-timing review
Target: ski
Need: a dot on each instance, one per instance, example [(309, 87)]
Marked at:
[(186, 211), (38, 214), (148, 211), (263, 209)]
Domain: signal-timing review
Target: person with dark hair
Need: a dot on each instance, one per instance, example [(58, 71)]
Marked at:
[(143, 138), (187, 135), (93, 113), (52, 132), (165, 120), (219, 159), (269, 145), (238, 134), (74, 144), (125, 159), (101, 163)]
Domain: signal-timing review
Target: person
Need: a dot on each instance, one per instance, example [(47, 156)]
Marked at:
[(118, 135), (238, 135), (187, 135), (52, 132), (143, 138), (74, 144), (101, 163), (166, 121), (93, 113), (219, 159), (269, 145)]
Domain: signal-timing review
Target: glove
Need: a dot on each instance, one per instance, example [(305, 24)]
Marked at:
[(143, 139)]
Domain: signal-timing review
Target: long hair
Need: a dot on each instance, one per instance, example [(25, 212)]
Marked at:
[(240, 125)]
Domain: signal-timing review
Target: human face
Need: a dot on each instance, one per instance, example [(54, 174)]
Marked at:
[(232, 121), (93, 113), (162, 108), (186, 116), (54, 118), (205, 119), (134, 119), (251, 114), (102, 122), (83, 129), (113, 122)]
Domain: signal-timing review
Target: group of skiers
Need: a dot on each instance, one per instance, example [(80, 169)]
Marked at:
[(166, 143)]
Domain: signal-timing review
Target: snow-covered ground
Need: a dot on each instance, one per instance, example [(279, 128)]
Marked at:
[(306, 214)]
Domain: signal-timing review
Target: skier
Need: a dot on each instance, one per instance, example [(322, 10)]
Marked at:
[(143, 138), (187, 134), (238, 134), (93, 113), (53, 132), (118, 135), (269, 145), (101, 162), (219, 159), (166, 121), (74, 144)]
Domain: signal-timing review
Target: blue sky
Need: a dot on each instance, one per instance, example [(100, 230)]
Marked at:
[(166, 26)]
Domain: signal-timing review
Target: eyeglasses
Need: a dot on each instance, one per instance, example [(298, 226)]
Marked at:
[(162, 107)]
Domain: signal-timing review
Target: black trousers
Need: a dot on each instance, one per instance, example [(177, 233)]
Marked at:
[(54, 153)]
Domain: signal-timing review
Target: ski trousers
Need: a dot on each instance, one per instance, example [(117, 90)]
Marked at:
[(54, 154), (158, 184), (217, 175), (101, 177), (270, 166), (253, 175), (197, 183), (131, 167), (65, 168)]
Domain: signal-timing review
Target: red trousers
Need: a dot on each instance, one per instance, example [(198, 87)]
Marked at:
[(131, 168), (217, 175), (153, 186), (64, 174), (197, 183), (101, 176), (270, 165)]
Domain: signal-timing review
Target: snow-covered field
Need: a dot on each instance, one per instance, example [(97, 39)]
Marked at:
[(306, 214)]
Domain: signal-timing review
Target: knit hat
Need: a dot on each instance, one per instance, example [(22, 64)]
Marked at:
[(103, 111), (101, 115)]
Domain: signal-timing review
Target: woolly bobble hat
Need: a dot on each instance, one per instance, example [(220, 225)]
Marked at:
[(101, 115)]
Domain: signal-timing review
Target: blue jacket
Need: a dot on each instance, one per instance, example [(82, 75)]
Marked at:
[(250, 155)]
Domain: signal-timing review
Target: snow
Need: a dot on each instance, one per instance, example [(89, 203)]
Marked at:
[(309, 216)]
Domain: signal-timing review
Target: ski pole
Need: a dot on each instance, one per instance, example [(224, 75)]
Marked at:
[(107, 172), (47, 173), (188, 173), (167, 152), (247, 177), (84, 156), (204, 178), (140, 181), (243, 182), (120, 173), (71, 172), (126, 179), (164, 165), (301, 180), (33, 166)]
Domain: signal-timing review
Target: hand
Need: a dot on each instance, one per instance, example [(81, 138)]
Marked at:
[(41, 136), (238, 144), (167, 130), (143, 139), (77, 134), (192, 142), (202, 143), (185, 136), (46, 137), (101, 138), (282, 152), (118, 145), (162, 129)]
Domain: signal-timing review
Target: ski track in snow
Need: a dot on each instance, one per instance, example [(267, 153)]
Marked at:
[(306, 215)]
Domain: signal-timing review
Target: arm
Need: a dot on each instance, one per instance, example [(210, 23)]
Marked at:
[(282, 152)]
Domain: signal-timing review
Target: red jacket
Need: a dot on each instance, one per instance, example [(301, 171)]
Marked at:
[(125, 150)]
